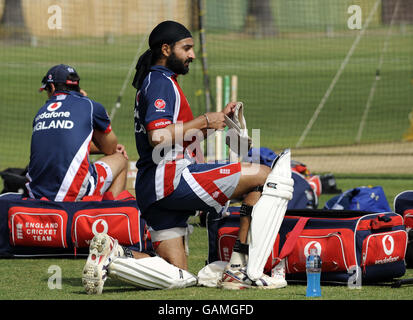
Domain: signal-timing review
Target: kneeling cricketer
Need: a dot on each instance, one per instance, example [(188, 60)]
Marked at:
[(177, 185), (147, 270)]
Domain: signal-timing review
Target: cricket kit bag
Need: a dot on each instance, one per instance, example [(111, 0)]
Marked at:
[(31, 227), (371, 199), (352, 244), (403, 205), (320, 184), (304, 196)]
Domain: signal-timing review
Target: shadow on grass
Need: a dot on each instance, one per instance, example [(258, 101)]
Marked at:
[(111, 285)]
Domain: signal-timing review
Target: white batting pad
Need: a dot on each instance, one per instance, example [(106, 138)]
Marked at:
[(211, 274), (268, 214), (151, 273), (237, 138)]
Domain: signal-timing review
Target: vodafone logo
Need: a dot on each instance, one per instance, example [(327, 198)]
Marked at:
[(310, 245), (100, 226), (388, 244), (160, 104), (54, 106)]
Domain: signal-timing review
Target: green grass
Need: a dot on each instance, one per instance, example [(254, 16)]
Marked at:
[(27, 279), (35, 286)]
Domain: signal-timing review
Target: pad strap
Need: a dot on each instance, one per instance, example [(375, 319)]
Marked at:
[(245, 210), (240, 247), (127, 252), (258, 189)]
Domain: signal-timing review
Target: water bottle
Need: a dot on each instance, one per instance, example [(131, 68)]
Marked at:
[(313, 270)]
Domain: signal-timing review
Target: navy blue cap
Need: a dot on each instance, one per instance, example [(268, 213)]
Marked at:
[(59, 74)]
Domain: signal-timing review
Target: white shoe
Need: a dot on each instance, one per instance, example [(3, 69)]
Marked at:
[(236, 279), (102, 250), (278, 272), (267, 282)]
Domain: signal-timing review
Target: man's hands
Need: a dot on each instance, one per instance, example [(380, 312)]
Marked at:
[(216, 120), (120, 148), (230, 108), (193, 128)]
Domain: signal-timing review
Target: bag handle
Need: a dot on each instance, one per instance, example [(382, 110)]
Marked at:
[(289, 244), (123, 196), (381, 222), (106, 196), (92, 198)]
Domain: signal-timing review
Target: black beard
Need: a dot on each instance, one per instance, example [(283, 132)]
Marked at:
[(176, 65)]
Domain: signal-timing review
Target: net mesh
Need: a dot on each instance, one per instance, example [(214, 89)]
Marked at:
[(314, 75)]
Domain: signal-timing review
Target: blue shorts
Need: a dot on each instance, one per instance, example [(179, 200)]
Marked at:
[(202, 187)]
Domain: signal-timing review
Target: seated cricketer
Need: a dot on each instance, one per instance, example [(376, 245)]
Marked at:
[(66, 130)]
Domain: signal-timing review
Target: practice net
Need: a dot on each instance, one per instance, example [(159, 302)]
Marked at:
[(331, 79)]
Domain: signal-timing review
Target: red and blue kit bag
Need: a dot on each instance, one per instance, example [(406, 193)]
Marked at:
[(352, 244), (30, 227), (403, 205)]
